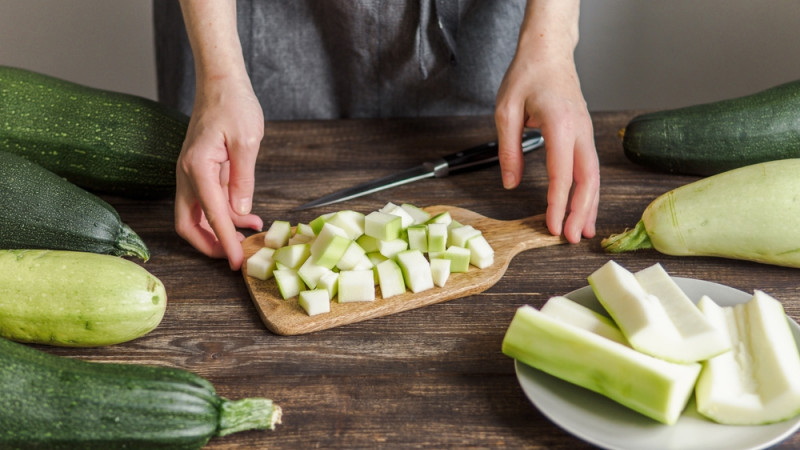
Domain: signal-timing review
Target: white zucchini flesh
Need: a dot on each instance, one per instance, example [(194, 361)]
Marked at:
[(356, 286), (349, 221), (571, 312), (416, 270), (699, 339), (315, 301), (481, 253), (329, 245), (654, 387), (261, 264), (666, 328), (440, 271), (758, 381), (278, 234), (390, 279)]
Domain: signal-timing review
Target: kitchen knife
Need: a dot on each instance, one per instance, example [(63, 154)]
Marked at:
[(471, 158)]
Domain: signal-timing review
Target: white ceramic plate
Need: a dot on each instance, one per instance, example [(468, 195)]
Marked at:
[(603, 422)]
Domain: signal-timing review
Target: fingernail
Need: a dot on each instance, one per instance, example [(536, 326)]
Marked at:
[(509, 180), (243, 206)]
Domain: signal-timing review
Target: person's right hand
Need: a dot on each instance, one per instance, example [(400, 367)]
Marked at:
[(215, 170)]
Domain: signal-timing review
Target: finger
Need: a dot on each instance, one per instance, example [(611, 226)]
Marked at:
[(585, 197), (510, 123), (242, 156), (189, 224), (240, 221), (215, 206), (560, 147)]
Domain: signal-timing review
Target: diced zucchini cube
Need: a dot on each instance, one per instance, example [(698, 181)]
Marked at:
[(416, 270), (382, 226), (368, 243), (390, 279), (454, 224), (460, 235), (481, 253), (437, 237), (300, 239), (315, 301), (329, 246), (406, 220), (364, 263), (316, 224), (434, 255), (440, 271), (442, 217), (356, 286), (352, 222), (292, 256), (289, 283), (261, 264), (419, 215), (310, 273), (278, 234), (304, 229), (351, 257), (418, 238), (387, 207), (391, 248), (329, 282), (459, 258)]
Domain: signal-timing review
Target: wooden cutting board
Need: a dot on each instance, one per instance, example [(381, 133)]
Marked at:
[(507, 237)]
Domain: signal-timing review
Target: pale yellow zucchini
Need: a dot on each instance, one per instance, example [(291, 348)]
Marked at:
[(750, 213)]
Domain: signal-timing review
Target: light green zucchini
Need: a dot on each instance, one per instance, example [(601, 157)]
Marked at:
[(750, 213), (77, 299)]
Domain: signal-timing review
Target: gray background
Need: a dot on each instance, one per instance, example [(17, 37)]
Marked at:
[(633, 54)]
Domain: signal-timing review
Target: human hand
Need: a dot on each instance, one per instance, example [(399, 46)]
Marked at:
[(549, 98), (541, 90), (215, 170)]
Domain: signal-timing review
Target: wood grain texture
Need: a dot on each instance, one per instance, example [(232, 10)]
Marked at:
[(507, 238), (427, 378)]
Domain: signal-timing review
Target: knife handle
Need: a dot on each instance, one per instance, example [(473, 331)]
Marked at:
[(486, 154)]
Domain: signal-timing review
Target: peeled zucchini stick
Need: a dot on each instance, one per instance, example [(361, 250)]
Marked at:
[(750, 213)]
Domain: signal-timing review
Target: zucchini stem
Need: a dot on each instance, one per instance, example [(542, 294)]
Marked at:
[(248, 414), (631, 239), (130, 244)]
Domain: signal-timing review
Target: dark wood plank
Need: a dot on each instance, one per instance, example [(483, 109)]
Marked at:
[(427, 378)]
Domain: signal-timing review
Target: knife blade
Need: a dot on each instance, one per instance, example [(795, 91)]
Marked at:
[(471, 158)]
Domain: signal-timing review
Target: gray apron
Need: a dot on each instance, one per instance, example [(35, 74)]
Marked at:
[(326, 59)]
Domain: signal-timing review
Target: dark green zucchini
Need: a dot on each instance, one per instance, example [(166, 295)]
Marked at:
[(103, 141), (53, 402), (716, 137), (39, 209)]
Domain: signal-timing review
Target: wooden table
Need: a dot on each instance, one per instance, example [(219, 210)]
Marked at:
[(431, 377)]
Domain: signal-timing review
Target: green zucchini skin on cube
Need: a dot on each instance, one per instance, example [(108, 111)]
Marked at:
[(39, 209), (54, 402), (76, 299), (715, 137), (101, 140)]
